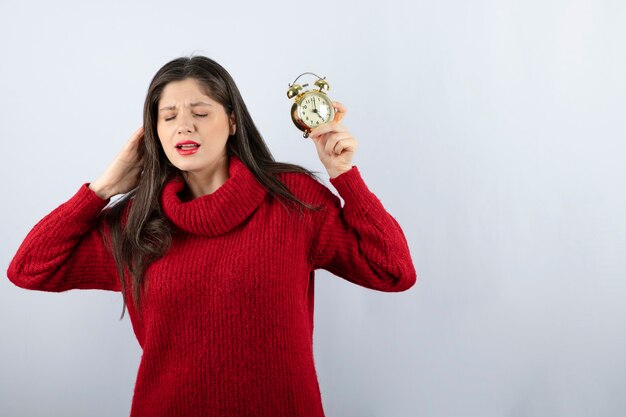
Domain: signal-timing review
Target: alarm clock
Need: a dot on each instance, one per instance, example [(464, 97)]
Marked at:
[(311, 108)]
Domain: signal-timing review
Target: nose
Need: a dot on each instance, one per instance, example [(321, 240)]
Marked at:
[(185, 126), (184, 129)]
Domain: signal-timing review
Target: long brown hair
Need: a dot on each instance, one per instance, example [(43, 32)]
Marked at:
[(139, 233)]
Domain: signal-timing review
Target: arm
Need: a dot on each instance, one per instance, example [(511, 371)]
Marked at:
[(361, 242), (65, 249)]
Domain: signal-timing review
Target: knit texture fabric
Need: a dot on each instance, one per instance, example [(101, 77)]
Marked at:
[(227, 323)]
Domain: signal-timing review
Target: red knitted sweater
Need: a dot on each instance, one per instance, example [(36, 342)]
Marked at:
[(227, 326)]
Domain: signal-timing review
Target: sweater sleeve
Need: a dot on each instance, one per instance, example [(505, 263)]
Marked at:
[(65, 249), (361, 242)]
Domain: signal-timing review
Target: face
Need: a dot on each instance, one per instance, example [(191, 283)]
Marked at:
[(192, 127)]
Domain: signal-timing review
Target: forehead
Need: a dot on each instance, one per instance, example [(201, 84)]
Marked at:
[(184, 93)]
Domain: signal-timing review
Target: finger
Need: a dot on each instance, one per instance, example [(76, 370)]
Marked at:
[(134, 140), (340, 111), (327, 128), (347, 145), (137, 133), (319, 144), (134, 145), (344, 145), (332, 141)]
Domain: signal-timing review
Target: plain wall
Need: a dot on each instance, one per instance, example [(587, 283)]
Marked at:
[(493, 131)]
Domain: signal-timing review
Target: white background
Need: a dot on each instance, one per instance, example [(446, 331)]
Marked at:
[(493, 131)]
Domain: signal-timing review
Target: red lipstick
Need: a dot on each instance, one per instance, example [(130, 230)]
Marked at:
[(187, 147)]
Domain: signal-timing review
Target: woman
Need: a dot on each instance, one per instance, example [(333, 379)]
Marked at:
[(214, 248)]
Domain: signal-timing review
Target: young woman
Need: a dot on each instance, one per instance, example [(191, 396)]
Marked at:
[(214, 248)]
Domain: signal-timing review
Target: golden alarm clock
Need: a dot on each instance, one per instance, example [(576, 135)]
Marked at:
[(311, 108)]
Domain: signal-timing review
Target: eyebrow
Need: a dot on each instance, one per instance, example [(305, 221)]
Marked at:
[(196, 104)]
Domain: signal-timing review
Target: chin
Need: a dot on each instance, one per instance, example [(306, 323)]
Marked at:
[(188, 167)]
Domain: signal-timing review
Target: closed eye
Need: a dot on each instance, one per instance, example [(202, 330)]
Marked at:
[(171, 118)]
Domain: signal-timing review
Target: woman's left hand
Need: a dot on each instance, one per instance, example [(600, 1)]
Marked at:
[(335, 145)]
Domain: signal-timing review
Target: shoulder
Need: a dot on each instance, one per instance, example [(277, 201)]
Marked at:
[(307, 188)]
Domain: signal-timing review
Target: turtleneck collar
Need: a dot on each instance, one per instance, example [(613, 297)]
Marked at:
[(219, 212)]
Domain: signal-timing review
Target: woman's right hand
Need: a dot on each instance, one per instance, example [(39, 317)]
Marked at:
[(124, 172)]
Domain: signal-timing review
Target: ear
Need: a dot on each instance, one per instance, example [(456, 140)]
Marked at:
[(233, 125)]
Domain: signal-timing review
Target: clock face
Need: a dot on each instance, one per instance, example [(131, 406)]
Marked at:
[(315, 109)]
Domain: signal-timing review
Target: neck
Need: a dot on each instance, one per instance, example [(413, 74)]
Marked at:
[(208, 180)]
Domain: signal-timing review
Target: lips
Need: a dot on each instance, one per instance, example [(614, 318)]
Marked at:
[(187, 144), (187, 147)]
